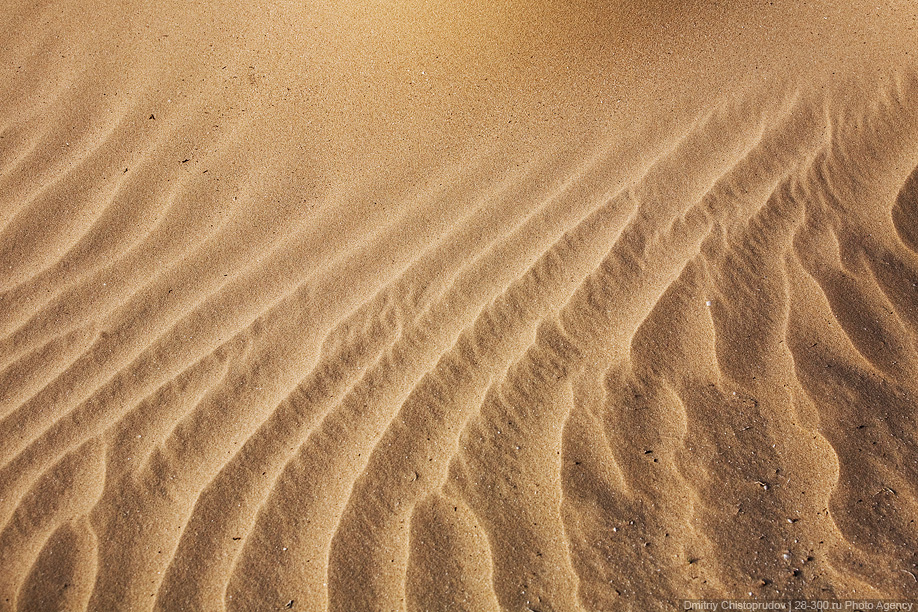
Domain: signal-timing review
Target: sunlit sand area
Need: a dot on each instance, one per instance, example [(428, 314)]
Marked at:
[(457, 306)]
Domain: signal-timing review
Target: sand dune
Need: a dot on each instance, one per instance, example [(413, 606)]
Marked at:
[(443, 306)]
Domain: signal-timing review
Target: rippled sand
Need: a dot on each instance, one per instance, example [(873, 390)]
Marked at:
[(457, 306)]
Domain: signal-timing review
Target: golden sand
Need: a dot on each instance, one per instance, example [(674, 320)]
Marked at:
[(434, 305)]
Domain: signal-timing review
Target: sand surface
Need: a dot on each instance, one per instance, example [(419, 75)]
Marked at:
[(461, 306)]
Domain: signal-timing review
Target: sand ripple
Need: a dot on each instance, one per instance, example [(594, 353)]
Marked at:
[(275, 339)]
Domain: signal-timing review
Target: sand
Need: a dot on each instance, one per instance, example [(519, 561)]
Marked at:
[(432, 305)]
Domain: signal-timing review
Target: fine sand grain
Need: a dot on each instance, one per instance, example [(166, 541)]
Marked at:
[(464, 306)]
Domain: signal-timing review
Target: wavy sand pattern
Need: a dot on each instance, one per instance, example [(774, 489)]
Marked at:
[(437, 306)]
